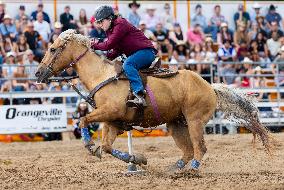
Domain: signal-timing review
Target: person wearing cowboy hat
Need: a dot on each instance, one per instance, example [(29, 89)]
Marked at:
[(151, 18), (9, 60), (57, 31), (273, 16), (224, 33), (256, 7), (209, 54), (7, 28), (133, 17)]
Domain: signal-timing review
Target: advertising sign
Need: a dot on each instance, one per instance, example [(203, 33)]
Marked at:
[(33, 118)]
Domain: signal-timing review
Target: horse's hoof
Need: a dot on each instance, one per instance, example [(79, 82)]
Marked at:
[(95, 151), (177, 167), (98, 152), (139, 159), (185, 172)]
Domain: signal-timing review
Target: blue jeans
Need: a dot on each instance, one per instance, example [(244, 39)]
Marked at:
[(141, 59)]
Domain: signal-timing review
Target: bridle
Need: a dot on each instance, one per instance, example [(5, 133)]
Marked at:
[(49, 71)]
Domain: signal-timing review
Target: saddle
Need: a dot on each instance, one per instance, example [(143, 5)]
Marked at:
[(154, 70)]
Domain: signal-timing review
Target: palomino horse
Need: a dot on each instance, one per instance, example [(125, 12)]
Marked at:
[(186, 96)]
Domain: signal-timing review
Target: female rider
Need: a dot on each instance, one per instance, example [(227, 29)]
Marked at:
[(124, 38)]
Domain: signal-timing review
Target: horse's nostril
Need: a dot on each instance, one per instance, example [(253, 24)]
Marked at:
[(37, 74)]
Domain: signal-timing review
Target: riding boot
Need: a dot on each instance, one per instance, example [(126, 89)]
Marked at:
[(138, 101)]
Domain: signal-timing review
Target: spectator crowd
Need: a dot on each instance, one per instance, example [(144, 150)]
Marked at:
[(256, 37)]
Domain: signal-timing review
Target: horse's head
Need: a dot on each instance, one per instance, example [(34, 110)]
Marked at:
[(61, 55)]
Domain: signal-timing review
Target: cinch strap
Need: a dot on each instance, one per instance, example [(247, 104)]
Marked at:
[(153, 103)]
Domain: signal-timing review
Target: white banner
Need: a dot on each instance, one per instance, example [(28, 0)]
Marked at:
[(33, 119)]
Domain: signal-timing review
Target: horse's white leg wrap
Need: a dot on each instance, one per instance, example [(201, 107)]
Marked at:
[(195, 164)]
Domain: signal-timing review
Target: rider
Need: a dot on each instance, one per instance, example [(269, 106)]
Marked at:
[(124, 38)]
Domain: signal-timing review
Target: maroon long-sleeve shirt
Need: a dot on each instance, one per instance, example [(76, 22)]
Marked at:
[(123, 37)]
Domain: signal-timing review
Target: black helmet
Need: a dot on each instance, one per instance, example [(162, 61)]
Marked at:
[(103, 12)]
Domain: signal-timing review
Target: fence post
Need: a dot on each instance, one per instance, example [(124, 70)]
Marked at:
[(175, 9), (278, 92), (55, 10), (188, 13)]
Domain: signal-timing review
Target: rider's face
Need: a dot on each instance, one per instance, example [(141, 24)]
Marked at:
[(104, 24)]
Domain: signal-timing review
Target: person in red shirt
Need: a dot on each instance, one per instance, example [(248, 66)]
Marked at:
[(124, 38)]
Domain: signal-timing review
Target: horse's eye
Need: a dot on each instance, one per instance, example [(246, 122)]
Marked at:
[(52, 50)]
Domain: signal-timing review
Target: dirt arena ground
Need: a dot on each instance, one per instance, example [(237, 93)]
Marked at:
[(230, 163)]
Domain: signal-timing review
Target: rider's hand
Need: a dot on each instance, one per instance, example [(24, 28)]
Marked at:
[(94, 41)]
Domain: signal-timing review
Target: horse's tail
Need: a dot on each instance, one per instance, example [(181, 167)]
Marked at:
[(240, 108)]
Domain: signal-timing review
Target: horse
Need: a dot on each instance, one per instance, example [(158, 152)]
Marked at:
[(185, 102)]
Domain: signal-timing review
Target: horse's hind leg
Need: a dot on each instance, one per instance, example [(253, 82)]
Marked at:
[(110, 132), (182, 139)]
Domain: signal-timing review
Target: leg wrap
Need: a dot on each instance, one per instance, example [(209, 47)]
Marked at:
[(180, 164), (85, 135), (195, 164), (124, 156)]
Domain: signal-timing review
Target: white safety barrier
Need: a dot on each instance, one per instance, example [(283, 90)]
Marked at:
[(33, 119)]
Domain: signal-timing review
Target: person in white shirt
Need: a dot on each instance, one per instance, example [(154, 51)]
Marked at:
[(167, 17), (30, 64), (148, 33), (150, 18), (273, 45), (42, 27), (256, 13)]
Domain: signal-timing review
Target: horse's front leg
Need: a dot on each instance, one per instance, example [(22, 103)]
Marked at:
[(110, 132), (102, 114)]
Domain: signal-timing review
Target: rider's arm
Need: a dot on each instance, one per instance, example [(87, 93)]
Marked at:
[(119, 31)]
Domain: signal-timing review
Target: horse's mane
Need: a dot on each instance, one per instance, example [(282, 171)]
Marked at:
[(81, 39), (72, 35)]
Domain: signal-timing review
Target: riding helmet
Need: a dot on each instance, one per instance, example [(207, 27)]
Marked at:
[(103, 12)]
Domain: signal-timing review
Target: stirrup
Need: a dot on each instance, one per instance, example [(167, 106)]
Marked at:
[(136, 103), (139, 101)]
